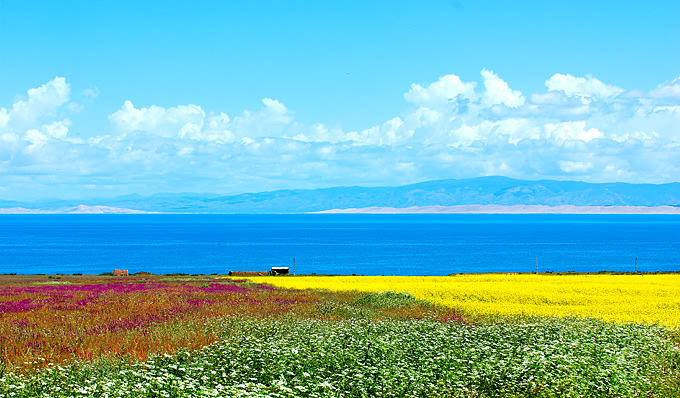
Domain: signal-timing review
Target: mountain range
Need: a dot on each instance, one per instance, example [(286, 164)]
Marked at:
[(498, 191)]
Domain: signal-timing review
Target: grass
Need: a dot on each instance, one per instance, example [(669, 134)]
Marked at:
[(186, 337)]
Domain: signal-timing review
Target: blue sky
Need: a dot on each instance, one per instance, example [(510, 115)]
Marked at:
[(105, 99)]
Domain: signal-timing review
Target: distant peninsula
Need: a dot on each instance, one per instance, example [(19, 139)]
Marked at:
[(80, 209), (517, 209)]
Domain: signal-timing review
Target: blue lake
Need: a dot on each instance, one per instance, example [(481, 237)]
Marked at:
[(437, 244)]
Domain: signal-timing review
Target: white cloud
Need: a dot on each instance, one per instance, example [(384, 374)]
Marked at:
[(216, 129), (466, 134), (36, 139), (575, 167), (192, 122), (389, 133), (274, 107), (171, 122), (571, 131), (41, 102), (669, 89), (269, 121), (672, 109), (317, 133), (498, 91), (578, 128), (22, 130), (586, 88), (58, 129), (441, 92)]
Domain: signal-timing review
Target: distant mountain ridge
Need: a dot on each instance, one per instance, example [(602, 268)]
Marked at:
[(80, 209), (500, 191)]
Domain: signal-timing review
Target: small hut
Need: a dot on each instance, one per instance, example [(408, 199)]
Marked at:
[(280, 271)]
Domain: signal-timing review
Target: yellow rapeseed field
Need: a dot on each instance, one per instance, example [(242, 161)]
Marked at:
[(619, 298)]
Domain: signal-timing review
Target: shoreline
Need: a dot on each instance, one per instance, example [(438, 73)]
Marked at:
[(514, 209), (222, 276)]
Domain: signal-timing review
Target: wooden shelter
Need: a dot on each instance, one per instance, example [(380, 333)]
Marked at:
[(280, 271)]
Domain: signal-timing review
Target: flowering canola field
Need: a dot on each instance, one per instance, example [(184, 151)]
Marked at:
[(619, 298)]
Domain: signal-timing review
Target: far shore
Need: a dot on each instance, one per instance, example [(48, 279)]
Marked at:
[(224, 276), (462, 209), (517, 209), (80, 209)]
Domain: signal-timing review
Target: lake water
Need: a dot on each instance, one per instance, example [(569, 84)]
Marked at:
[(436, 244)]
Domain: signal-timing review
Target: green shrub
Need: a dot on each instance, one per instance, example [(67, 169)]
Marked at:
[(389, 299)]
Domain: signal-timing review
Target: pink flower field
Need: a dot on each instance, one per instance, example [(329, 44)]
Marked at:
[(55, 320)]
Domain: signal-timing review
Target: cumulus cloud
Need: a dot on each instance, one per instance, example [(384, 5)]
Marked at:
[(22, 131), (498, 91), (586, 88), (41, 102), (571, 131), (269, 121), (578, 128), (167, 123), (441, 92), (389, 133), (193, 123), (58, 129), (36, 140)]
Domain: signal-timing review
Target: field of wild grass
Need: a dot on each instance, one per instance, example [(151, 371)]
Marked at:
[(169, 336)]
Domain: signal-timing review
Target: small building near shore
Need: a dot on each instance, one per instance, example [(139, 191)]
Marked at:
[(274, 271), (280, 271)]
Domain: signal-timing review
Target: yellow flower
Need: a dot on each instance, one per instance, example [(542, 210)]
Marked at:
[(618, 298)]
